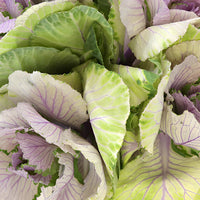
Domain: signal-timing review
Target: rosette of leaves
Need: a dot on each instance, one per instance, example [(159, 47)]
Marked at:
[(51, 39), (163, 160), (131, 17), (49, 33), (44, 133)]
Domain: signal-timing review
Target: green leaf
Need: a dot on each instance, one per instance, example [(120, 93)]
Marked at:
[(5, 101), (107, 99), (150, 119), (140, 82), (177, 53), (163, 175), (17, 37), (191, 34), (91, 45), (103, 6), (115, 21), (155, 39), (78, 22), (77, 173), (130, 146), (34, 14), (73, 79), (36, 59)]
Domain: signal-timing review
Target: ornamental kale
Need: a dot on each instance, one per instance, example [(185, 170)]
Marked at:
[(100, 99)]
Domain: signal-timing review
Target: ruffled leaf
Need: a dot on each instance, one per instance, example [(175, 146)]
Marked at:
[(15, 184), (78, 22), (94, 183), (182, 103), (186, 72), (13, 8), (150, 119), (183, 129), (67, 141), (67, 187), (51, 97), (36, 150), (10, 123), (108, 106), (163, 175)]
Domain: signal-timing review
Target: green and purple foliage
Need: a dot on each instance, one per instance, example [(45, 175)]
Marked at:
[(99, 100)]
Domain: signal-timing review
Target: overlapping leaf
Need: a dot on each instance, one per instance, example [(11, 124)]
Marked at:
[(36, 150), (130, 145), (132, 11), (164, 35), (107, 98), (163, 175), (150, 119), (140, 82), (69, 141), (15, 184), (55, 99), (183, 129), (36, 59)]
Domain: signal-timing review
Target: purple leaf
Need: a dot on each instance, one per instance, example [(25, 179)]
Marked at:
[(183, 103), (132, 16), (13, 8), (51, 132), (181, 15), (12, 119), (53, 98), (186, 72), (36, 150), (2, 18), (8, 139), (10, 123), (38, 178), (24, 3), (17, 158), (184, 129), (15, 184), (67, 141), (159, 12), (7, 25), (193, 90), (3, 6)]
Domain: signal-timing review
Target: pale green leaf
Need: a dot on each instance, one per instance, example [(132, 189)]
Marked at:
[(163, 175), (140, 82), (107, 98), (154, 39), (150, 119)]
